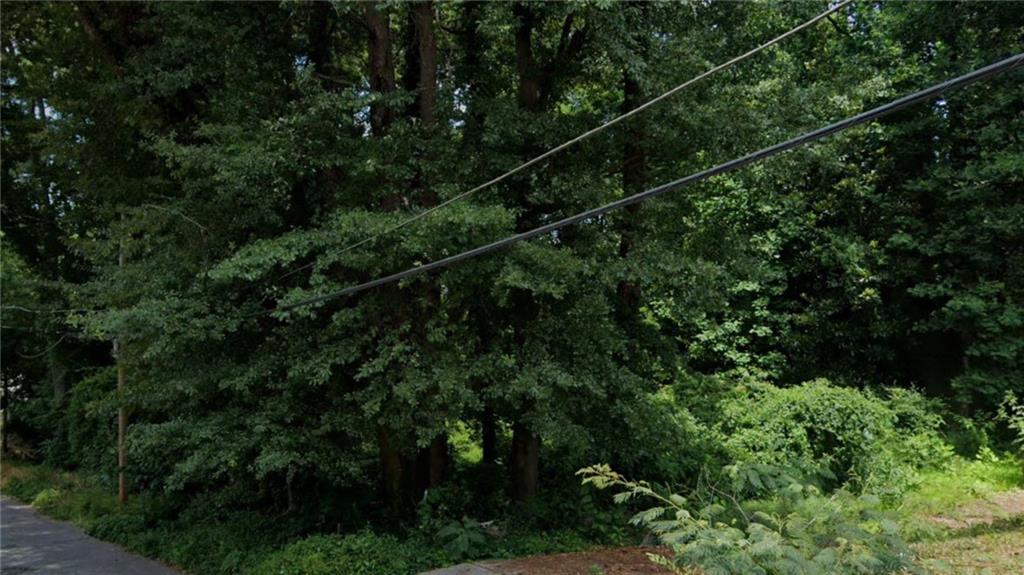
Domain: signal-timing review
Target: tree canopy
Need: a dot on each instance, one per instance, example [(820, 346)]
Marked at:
[(173, 172)]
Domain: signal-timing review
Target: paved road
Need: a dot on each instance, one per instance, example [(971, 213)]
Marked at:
[(31, 544)]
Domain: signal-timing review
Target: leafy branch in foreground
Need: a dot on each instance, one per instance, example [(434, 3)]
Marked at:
[(794, 529), (1011, 411)]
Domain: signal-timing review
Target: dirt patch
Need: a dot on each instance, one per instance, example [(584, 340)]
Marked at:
[(615, 561), (1000, 552), (1002, 505)]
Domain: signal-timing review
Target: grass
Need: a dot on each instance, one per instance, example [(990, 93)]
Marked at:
[(58, 494), (995, 549), (937, 513), (961, 481)]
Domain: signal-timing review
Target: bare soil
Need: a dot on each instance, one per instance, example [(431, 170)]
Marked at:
[(614, 561), (998, 506)]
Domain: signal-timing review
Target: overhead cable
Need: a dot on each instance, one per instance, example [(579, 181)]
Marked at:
[(577, 139), (926, 94)]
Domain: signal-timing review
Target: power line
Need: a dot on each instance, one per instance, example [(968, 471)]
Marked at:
[(42, 311), (577, 139), (926, 94), (45, 351)]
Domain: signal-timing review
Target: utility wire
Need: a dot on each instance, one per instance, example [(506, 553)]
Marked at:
[(45, 351), (926, 94), (40, 311), (577, 139)]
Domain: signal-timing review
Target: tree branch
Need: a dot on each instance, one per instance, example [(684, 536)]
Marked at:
[(92, 30)]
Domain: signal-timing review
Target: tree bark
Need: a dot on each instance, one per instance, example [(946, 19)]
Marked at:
[(122, 427), (528, 95), (471, 46), (57, 373), (634, 180), (320, 31), (107, 49), (421, 78), (489, 436), (420, 74), (122, 413), (431, 465), (381, 72), (524, 463), (382, 68), (5, 416), (391, 467)]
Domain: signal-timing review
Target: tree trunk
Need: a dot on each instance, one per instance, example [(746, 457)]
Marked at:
[(472, 47), (489, 436), (404, 477), (420, 74), (57, 373), (525, 463), (122, 413), (382, 68), (5, 417), (528, 96), (381, 74), (122, 427), (420, 77), (634, 180), (390, 466), (320, 30), (431, 465)]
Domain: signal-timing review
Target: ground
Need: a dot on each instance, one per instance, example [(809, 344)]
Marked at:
[(966, 519), (616, 561), (965, 526), (984, 536)]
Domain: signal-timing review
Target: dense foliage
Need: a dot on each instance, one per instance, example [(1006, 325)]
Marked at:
[(174, 172)]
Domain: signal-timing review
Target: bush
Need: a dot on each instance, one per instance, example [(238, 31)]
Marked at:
[(1011, 412), (845, 436), (84, 429), (793, 530), (363, 553), (968, 436)]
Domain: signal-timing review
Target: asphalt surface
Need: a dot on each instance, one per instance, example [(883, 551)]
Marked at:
[(31, 544)]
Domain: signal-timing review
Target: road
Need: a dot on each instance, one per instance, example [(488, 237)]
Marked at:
[(31, 544)]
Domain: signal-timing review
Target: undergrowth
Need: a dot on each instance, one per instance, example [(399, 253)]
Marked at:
[(207, 542)]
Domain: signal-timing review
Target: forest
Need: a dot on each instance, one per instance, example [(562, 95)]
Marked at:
[(809, 364)]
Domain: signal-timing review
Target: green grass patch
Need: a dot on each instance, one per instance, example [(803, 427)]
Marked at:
[(58, 494), (942, 490)]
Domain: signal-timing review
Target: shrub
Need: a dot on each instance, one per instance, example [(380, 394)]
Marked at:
[(968, 436), (462, 538), (363, 553), (84, 428), (795, 530), (47, 499), (845, 436), (1011, 411)]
